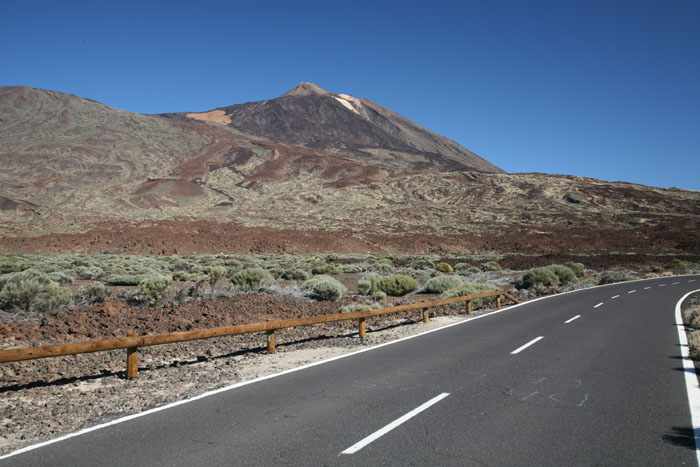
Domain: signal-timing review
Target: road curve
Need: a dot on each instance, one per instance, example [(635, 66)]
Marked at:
[(592, 377)]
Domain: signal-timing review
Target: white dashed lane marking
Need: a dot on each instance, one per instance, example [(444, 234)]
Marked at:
[(601, 303), (632, 291), (571, 319), (615, 296), (520, 349)]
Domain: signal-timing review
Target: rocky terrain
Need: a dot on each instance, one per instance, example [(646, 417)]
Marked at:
[(309, 171)]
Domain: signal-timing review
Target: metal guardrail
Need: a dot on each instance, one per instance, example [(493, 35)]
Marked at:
[(132, 343)]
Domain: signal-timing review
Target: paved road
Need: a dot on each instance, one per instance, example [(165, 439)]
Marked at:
[(606, 388)]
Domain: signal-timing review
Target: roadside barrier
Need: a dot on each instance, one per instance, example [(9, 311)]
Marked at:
[(133, 342)]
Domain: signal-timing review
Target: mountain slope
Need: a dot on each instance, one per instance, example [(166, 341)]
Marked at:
[(357, 129), (82, 176)]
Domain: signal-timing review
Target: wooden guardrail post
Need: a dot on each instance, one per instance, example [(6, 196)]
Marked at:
[(363, 326), (469, 307), (498, 302), (271, 341), (132, 362), (426, 315)]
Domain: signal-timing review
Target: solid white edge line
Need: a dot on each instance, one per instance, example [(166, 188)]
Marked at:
[(571, 319), (600, 304), (691, 377), (523, 347), (292, 370), (386, 429)]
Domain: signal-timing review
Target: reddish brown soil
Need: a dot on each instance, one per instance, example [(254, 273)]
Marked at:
[(597, 248)]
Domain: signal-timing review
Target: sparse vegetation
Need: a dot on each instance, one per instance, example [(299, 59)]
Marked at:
[(154, 287), (397, 285), (324, 288), (444, 268), (440, 284), (251, 279), (490, 266), (94, 293), (537, 277), (470, 288), (32, 290)]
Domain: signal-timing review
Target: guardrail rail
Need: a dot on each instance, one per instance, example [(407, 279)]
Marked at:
[(133, 342)]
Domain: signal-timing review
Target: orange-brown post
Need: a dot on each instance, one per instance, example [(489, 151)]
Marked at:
[(426, 315), (271, 341), (363, 327), (132, 362), (469, 307), (498, 302)]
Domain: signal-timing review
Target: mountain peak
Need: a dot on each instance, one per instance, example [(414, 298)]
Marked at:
[(306, 89)]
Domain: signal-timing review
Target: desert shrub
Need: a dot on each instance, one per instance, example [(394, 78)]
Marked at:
[(611, 277), (275, 271), (325, 268), (650, 275), (123, 279), (352, 268), (397, 285), (216, 273), (694, 345), (563, 273), (577, 268), (295, 275), (440, 284), (251, 279), (444, 267), (324, 288), (184, 276), (353, 307), (32, 289), (12, 263), (537, 277), (676, 265), (422, 264), (91, 294), (420, 275), (379, 296), (383, 266), (465, 269), (490, 266), (88, 272), (470, 288), (155, 286), (61, 277), (365, 285)]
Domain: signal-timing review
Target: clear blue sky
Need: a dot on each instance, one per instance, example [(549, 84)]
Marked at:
[(606, 89)]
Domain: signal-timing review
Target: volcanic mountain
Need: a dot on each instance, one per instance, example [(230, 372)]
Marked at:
[(355, 129), (309, 171)]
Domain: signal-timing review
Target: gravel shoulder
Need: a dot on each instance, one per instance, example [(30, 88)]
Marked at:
[(48, 398)]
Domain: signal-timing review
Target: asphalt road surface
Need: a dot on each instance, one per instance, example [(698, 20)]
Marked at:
[(592, 377)]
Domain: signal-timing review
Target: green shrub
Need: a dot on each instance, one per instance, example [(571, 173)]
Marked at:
[(88, 272), (379, 296), (325, 268), (576, 267), (440, 284), (251, 279), (352, 268), (365, 285), (490, 266), (353, 307), (383, 266), (465, 269), (295, 275), (676, 265), (155, 286), (444, 267), (32, 289), (91, 294), (123, 279), (470, 288), (612, 277), (216, 273), (324, 288), (61, 278), (694, 345), (397, 285), (422, 264), (537, 277), (563, 273)]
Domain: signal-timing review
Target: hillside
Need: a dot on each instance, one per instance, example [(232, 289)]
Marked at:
[(81, 176)]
